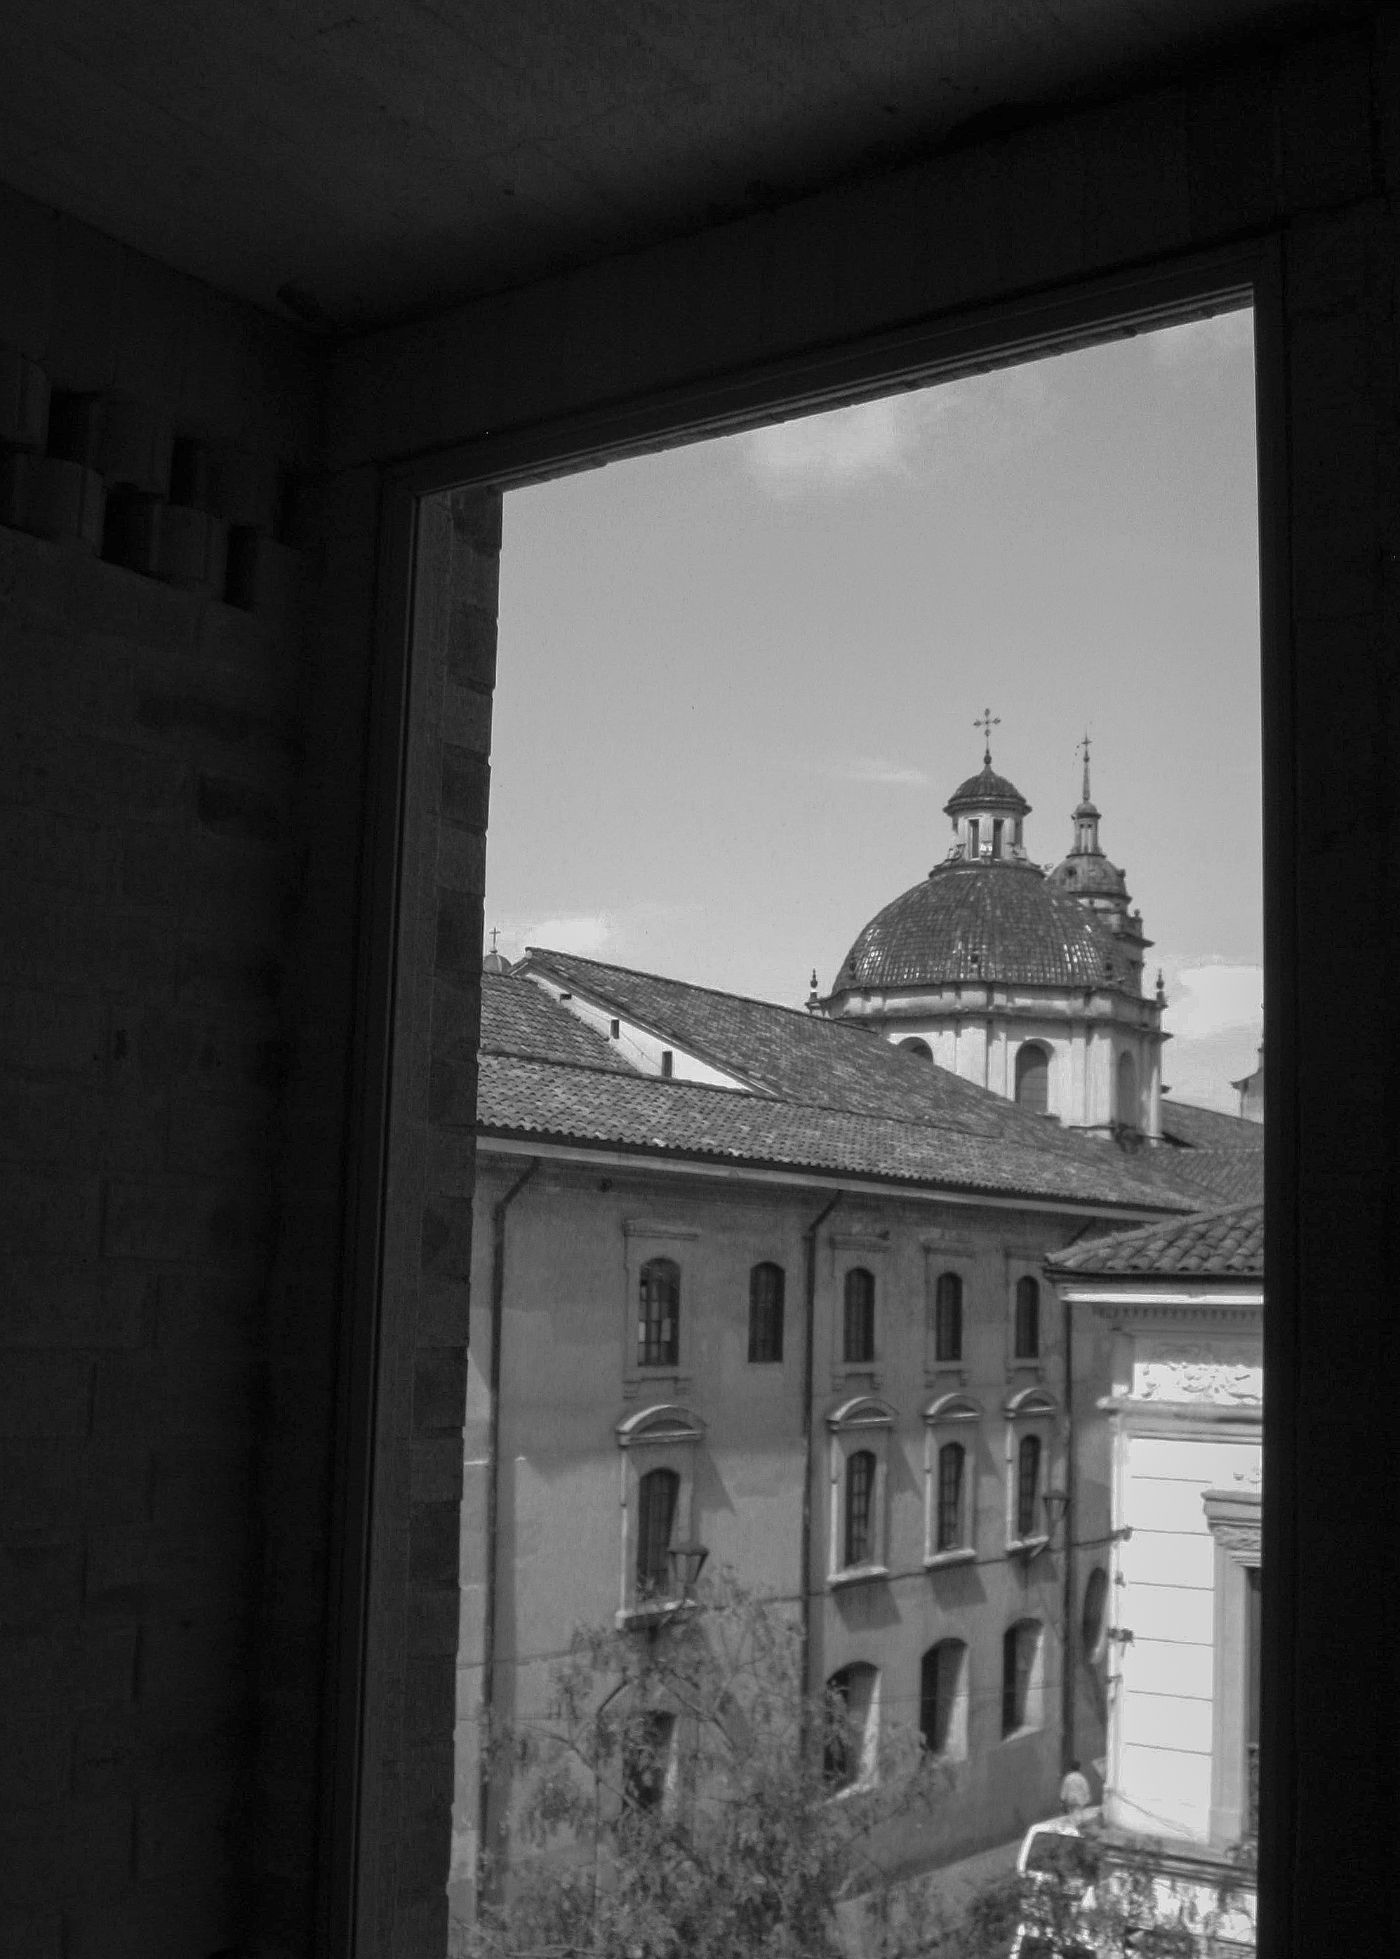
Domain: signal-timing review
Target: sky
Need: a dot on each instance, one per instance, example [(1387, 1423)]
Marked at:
[(737, 681)]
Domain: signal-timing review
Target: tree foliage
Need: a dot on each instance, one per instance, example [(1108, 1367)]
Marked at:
[(681, 1797)]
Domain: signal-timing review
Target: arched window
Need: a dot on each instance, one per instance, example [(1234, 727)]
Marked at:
[(1091, 1628), (1027, 1328), (943, 1698), (952, 1463), (860, 1507), (1033, 1077), (766, 1290), (648, 1759), (1027, 1486), (657, 1497), (920, 1049), (659, 1314), (851, 1739), (1127, 1110), (1020, 1677), (858, 1329), (998, 829), (948, 1317)]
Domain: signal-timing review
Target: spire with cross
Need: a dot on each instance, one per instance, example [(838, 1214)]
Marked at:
[(986, 721), (1083, 743)]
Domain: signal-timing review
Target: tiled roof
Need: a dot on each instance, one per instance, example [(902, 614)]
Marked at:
[(518, 1018), (1222, 1244), (828, 1096), (998, 920), (549, 1101), (1201, 1128), (984, 788), (802, 1057), (1208, 1177)]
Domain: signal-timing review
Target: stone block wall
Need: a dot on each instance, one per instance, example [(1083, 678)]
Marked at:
[(158, 1108)]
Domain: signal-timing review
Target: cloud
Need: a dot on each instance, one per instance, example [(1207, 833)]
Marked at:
[(877, 770), (876, 440), (1202, 342), (1214, 998), (586, 933)]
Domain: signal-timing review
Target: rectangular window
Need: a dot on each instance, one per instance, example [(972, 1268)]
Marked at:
[(766, 1288), (1027, 1485), (951, 1462), (646, 1759), (1019, 1648), (668, 1062), (860, 1507), (658, 1314), (858, 1330), (657, 1497)]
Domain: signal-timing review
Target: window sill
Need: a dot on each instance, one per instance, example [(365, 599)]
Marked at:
[(1022, 1734), (857, 1574), (964, 1554), (1025, 1547), (657, 1613)]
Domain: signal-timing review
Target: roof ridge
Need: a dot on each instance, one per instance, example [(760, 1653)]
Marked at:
[(690, 986)]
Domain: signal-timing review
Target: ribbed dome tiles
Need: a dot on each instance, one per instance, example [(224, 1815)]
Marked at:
[(987, 921), (984, 790)]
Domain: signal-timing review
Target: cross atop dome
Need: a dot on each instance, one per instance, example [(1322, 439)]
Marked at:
[(986, 721)]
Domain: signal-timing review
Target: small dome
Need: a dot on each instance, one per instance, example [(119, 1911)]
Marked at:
[(495, 962), (1089, 874), (987, 790), (995, 920)]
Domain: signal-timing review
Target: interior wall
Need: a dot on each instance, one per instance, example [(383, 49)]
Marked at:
[(179, 817)]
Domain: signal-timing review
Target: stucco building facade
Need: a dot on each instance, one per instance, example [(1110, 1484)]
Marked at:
[(815, 1330)]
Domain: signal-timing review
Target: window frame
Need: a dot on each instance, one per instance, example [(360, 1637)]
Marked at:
[(1032, 1412), (1026, 1680), (776, 1308), (955, 1300), (644, 1241), (867, 1305), (954, 1709), (862, 1423), (669, 1272), (1028, 1047), (1026, 1288), (665, 1436), (951, 1418), (864, 1676)]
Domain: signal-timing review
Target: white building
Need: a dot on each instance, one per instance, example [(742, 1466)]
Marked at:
[(1024, 981), (1176, 1314)]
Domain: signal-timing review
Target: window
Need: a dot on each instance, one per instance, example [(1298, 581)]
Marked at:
[(943, 1699), (1020, 1677), (647, 1759), (920, 1049), (659, 1314), (852, 1714), (657, 1500), (858, 1342), (1127, 1111), (1026, 1345), (860, 1505), (860, 1431), (1092, 1625), (974, 838), (998, 828), (659, 1447), (1033, 1078), (668, 1062), (950, 1450), (1027, 1486), (952, 1463), (766, 1288), (948, 1317)]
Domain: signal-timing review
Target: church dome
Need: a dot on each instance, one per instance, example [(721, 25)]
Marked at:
[(987, 790), (994, 920)]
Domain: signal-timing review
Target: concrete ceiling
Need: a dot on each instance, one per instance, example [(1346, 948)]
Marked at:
[(362, 160)]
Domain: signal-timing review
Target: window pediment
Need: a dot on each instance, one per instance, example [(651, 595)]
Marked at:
[(663, 1423), (1029, 1403), (953, 1408), (861, 1411)]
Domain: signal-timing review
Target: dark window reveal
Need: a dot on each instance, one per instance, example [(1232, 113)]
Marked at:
[(657, 1497), (948, 1317), (659, 1314), (766, 1288), (940, 1675), (858, 1345), (1027, 1319), (951, 1464), (1027, 1485), (860, 1507)]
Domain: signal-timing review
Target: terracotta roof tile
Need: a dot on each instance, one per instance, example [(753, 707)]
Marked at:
[(518, 1018), (1221, 1244)]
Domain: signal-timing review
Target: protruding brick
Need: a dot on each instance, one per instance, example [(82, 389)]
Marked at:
[(24, 401)]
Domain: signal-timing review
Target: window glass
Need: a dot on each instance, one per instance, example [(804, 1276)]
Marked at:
[(766, 1288), (948, 1317), (1027, 1319), (858, 1344), (860, 1507), (951, 1464), (657, 1498), (658, 1315), (1027, 1485)]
